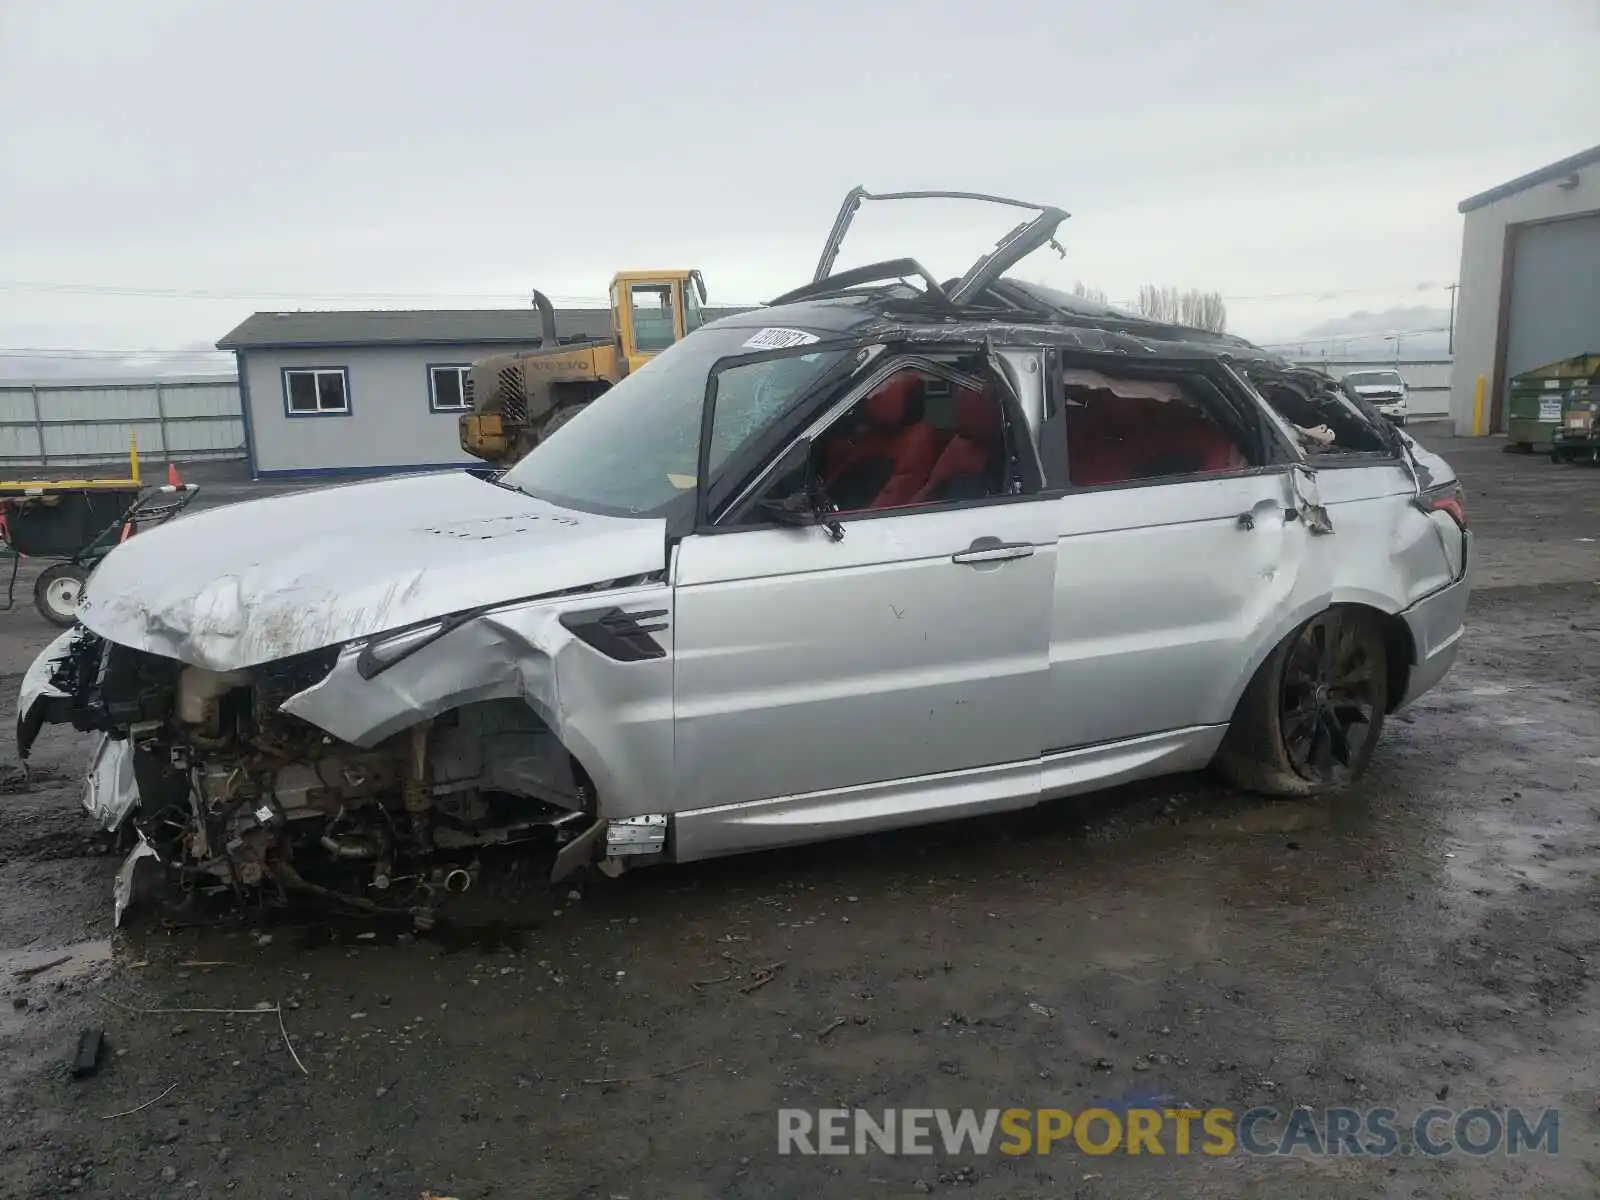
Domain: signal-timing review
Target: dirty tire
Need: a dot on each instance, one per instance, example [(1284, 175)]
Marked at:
[(560, 417), (57, 592), (1328, 677)]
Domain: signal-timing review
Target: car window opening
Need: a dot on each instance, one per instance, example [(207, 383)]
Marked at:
[(635, 450), (1347, 431), (1119, 430), (915, 439)]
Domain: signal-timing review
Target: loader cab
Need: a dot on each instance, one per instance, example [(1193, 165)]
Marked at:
[(652, 310)]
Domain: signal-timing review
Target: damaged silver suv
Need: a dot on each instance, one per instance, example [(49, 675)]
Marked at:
[(889, 550)]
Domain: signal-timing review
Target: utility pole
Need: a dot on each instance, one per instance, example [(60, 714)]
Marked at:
[(1452, 337)]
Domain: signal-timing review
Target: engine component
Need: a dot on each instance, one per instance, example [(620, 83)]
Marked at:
[(200, 690)]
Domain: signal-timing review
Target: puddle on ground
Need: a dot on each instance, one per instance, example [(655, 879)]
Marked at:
[(54, 964), (1501, 854), (35, 970)]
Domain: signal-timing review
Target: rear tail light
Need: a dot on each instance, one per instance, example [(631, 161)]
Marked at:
[(1446, 498)]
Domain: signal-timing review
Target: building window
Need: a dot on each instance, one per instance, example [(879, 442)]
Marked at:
[(447, 387), (316, 391)]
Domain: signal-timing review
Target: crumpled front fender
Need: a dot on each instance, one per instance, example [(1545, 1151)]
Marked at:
[(479, 660), (37, 691), (615, 716), (111, 791)]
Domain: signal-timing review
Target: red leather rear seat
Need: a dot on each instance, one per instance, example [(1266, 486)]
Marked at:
[(1114, 440)]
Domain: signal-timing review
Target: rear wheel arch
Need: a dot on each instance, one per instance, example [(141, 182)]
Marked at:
[(1400, 656), (1255, 752)]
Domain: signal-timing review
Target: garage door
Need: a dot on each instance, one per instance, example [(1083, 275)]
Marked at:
[(1555, 293)]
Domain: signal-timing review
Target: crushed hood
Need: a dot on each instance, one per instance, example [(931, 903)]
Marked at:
[(249, 583)]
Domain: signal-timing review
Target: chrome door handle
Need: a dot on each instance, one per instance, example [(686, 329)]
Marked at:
[(1248, 518), (988, 549)]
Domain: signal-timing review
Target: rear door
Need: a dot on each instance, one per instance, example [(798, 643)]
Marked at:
[(1170, 583)]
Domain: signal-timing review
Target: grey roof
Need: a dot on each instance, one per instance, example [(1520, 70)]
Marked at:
[(417, 327), (1555, 170)]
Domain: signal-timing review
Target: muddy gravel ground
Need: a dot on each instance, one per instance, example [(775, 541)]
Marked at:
[(1430, 940)]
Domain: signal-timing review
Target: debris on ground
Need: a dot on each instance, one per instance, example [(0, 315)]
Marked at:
[(86, 1053), (761, 976), (40, 968)]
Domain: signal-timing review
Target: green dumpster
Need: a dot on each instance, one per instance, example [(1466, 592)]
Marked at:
[(1538, 397)]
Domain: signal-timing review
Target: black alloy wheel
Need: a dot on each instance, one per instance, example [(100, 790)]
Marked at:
[(1331, 696)]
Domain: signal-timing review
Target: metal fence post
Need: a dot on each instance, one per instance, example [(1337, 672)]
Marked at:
[(161, 422), (38, 425)]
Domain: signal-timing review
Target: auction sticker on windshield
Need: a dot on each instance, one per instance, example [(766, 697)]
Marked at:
[(779, 339)]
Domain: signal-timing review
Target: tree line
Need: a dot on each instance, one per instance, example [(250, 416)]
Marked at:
[(1173, 305)]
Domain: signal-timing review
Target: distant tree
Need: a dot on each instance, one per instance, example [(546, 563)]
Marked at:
[(1098, 295), (1204, 310), (1159, 303), (1184, 306)]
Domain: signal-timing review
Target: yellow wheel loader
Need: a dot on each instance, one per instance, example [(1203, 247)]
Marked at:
[(517, 400)]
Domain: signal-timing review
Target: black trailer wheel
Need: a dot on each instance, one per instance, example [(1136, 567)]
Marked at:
[(58, 592), (1311, 716)]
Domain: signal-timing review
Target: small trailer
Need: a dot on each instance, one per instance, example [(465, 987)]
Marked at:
[(76, 523)]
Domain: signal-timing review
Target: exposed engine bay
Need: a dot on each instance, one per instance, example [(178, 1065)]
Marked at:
[(235, 796)]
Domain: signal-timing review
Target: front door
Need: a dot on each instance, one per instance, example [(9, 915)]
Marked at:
[(892, 661), (915, 646)]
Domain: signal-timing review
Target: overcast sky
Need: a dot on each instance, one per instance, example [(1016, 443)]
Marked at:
[(439, 155)]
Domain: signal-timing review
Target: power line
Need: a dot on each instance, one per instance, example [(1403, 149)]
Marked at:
[(1352, 337), (155, 293), (89, 353), (168, 293), (97, 289), (1338, 292)]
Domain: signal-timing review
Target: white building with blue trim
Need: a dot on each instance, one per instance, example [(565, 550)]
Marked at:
[(345, 393)]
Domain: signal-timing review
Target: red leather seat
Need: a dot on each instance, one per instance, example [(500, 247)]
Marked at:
[(971, 464), (888, 459), (1181, 441), (1114, 440), (1102, 444)]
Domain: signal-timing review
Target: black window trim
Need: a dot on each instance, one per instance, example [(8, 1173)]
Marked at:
[(813, 418), (461, 370), (761, 449), (296, 414), (1220, 386)]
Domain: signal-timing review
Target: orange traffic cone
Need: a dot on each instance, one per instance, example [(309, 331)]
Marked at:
[(172, 476)]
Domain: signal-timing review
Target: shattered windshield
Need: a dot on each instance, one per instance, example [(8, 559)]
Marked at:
[(635, 450)]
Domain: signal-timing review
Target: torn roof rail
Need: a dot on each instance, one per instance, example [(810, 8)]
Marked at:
[(879, 272), (1016, 245)]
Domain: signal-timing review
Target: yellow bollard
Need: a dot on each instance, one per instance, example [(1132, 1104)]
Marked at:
[(133, 456), (1477, 407)]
